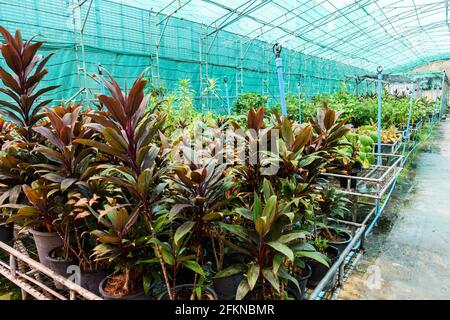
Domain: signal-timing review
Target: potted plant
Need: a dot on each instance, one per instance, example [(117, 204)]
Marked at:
[(178, 256), (354, 155), (266, 238), (318, 269), (22, 85), (130, 135), (124, 244)]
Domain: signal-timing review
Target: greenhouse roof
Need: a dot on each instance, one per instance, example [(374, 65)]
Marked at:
[(395, 34)]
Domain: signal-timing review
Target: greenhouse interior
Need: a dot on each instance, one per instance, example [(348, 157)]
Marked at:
[(224, 150)]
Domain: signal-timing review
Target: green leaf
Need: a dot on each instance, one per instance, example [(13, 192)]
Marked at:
[(272, 278), (286, 131), (319, 257), (277, 261), (286, 238), (285, 275), (146, 282), (182, 231), (231, 270), (257, 207), (212, 216), (66, 183), (253, 275), (284, 249), (267, 189), (365, 140), (242, 289), (236, 229), (269, 210), (245, 213), (194, 266)]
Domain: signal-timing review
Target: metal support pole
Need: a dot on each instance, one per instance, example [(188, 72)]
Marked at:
[(299, 103), (277, 50), (225, 80), (442, 96), (434, 108), (411, 102), (380, 92)]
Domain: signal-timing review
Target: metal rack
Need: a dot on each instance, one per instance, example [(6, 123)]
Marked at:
[(18, 264), (374, 181)]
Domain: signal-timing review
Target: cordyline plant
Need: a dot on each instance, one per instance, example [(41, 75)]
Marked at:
[(42, 210), (27, 70), (67, 172), (200, 195), (21, 85), (124, 243), (267, 238), (327, 138), (253, 145), (130, 131)]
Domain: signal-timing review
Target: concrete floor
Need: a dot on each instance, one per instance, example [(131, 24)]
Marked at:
[(413, 260)]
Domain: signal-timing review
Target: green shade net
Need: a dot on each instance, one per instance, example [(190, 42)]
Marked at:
[(324, 42)]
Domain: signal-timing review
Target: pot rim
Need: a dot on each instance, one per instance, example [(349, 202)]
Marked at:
[(49, 258), (308, 275), (350, 237), (42, 233)]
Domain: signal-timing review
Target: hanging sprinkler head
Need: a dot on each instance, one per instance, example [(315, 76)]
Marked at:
[(277, 50), (99, 68), (225, 79), (379, 69)]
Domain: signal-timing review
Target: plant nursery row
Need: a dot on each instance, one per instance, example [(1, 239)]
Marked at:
[(154, 200)]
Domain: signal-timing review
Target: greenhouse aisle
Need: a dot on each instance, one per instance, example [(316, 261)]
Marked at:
[(414, 262)]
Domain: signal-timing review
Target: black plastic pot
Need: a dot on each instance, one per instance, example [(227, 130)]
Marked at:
[(137, 296), (177, 289), (6, 232), (59, 266), (45, 242), (340, 245), (302, 281), (319, 270), (90, 280), (226, 287), (344, 181)]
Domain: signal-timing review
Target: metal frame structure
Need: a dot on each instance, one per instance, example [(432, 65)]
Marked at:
[(34, 278)]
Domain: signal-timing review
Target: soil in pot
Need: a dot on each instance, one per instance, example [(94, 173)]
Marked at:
[(319, 270), (45, 242), (336, 237), (302, 277), (184, 292), (59, 264), (6, 232), (111, 288)]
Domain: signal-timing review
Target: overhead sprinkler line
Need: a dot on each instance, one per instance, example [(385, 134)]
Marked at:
[(278, 61), (380, 92)]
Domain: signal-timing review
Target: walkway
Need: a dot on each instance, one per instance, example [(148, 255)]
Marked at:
[(414, 262)]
